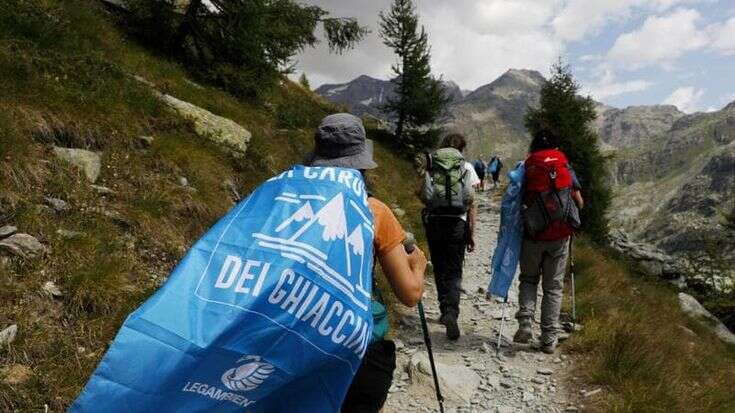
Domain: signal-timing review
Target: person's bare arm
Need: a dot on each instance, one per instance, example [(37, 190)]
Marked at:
[(405, 273), (471, 214), (577, 197)]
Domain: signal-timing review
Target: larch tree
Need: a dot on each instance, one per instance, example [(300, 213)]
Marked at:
[(420, 98)]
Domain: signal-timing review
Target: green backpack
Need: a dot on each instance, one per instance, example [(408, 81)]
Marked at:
[(444, 191)]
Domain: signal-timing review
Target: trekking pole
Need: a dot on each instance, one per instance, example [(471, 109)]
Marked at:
[(500, 332), (427, 340), (571, 275), (409, 244)]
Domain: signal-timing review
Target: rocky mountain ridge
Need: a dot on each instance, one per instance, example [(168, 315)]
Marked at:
[(490, 116), (626, 128), (678, 189), (366, 95)]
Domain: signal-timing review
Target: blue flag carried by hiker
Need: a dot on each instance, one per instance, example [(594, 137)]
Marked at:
[(493, 167), (510, 237), (268, 312)]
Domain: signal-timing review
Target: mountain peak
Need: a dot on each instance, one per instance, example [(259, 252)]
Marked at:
[(523, 75), (365, 78), (511, 83)]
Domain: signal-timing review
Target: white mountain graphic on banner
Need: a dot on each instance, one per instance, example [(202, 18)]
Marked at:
[(332, 225), (305, 212)]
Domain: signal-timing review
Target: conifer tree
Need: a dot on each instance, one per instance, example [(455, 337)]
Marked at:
[(243, 45), (420, 98), (570, 116), (304, 81)]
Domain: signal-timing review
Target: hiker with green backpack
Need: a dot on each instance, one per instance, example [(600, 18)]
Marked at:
[(449, 219)]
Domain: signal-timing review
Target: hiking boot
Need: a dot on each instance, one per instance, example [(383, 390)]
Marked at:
[(548, 348), (524, 333), (442, 319), (452, 328)]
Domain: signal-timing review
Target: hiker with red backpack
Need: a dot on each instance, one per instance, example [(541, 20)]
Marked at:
[(550, 214)]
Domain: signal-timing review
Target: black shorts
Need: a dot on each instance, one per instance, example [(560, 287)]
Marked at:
[(496, 175), (369, 389)]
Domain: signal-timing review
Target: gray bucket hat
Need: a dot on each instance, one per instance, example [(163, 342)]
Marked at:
[(340, 141)]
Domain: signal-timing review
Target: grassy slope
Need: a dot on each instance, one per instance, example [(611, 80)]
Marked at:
[(65, 73), (636, 345)]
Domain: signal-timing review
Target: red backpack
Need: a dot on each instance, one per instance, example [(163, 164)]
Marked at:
[(549, 212)]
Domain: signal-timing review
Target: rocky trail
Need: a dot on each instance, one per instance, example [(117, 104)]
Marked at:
[(473, 378)]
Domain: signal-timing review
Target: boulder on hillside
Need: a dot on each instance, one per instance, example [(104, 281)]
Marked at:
[(51, 289), (89, 162), (22, 245), (7, 230), (457, 382), (691, 307), (206, 124), (7, 335), (59, 205)]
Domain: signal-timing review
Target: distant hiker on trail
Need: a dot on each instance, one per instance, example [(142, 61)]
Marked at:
[(340, 142), (480, 167), (550, 216), (493, 168), (449, 219), (472, 178)]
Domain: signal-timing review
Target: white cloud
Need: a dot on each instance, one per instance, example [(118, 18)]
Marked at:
[(723, 37), (660, 40), (501, 35), (687, 99), (608, 85), (728, 98), (579, 18), (508, 16), (472, 41), (590, 58), (603, 91)]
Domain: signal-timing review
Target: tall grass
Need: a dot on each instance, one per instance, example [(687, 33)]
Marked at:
[(638, 345)]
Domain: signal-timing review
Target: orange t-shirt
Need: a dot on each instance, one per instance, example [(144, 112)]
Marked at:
[(388, 231)]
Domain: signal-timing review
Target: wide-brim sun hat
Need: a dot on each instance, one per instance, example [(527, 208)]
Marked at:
[(340, 141)]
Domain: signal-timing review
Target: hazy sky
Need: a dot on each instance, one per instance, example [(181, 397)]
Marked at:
[(623, 52)]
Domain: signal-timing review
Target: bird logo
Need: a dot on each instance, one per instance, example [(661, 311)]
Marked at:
[(247, 376)]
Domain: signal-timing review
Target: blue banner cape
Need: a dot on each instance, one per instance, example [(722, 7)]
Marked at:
[(268, 312), (510, 237)]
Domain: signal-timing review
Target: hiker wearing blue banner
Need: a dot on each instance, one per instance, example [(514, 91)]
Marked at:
[(340, 142), (494, 166), (550, 213), (449, 219), (272, 309)]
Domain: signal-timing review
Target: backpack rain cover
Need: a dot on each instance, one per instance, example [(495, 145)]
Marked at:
[(268, 312), (507, 252)]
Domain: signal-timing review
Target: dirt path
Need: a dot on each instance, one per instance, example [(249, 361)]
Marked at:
[(474, 379)]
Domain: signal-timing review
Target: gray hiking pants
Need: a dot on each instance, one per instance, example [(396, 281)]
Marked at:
[(545, 261)]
